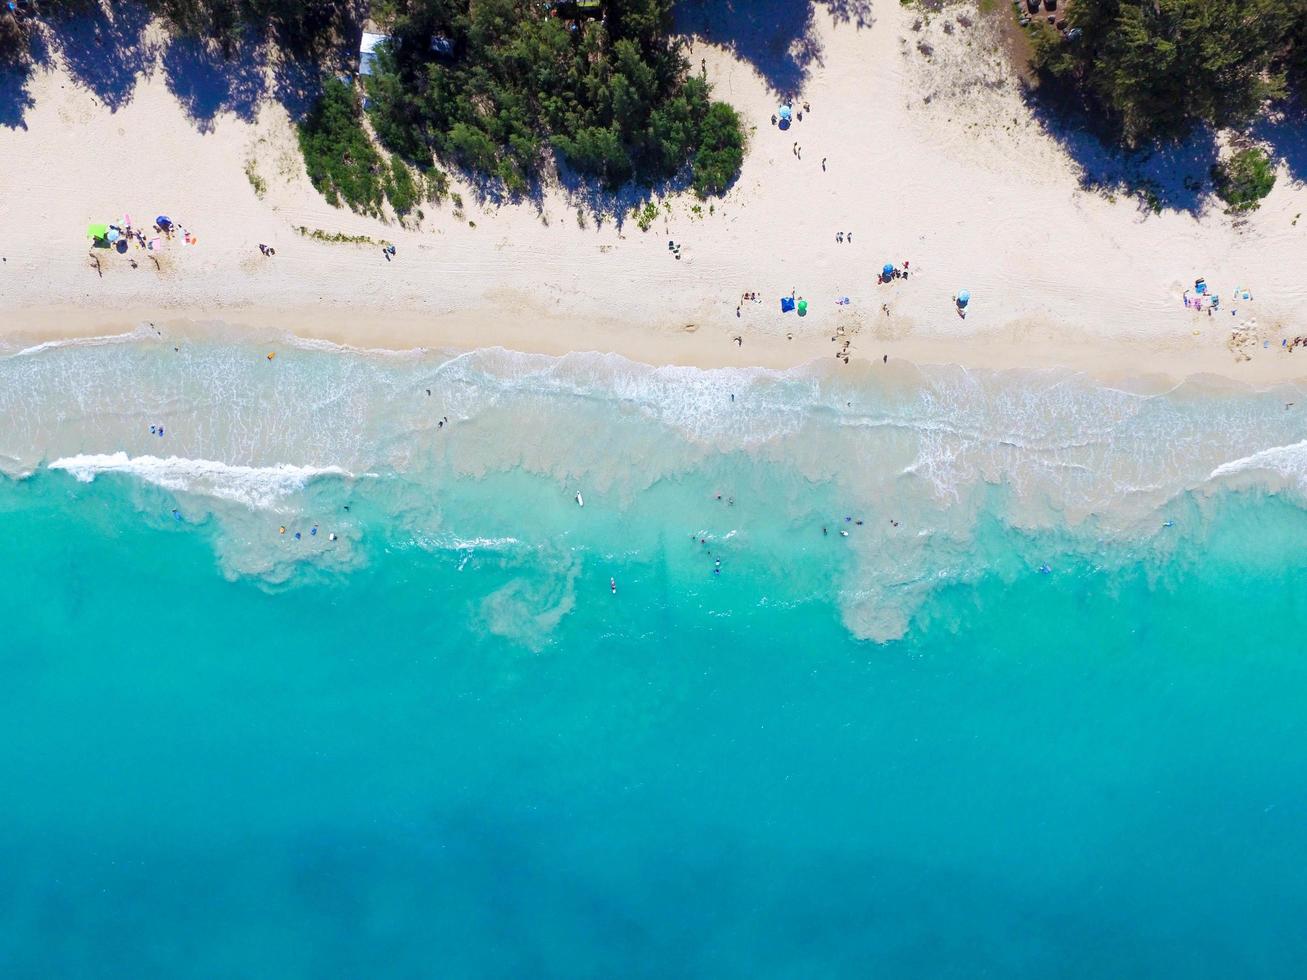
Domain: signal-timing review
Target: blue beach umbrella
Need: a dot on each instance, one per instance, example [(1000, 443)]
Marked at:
[(888, 271), (163, 221), (785, 113), (964, 298)]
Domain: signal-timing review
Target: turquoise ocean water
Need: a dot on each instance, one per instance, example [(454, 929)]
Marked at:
[(1043, 712)]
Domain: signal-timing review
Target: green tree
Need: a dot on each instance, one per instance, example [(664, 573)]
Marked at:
[(341, 161), (613, 95), (721, 150), (1163, 65)]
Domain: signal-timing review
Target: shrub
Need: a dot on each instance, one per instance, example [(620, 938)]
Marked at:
[(401, 188), (341, 161), (1244, 179), (256, 181), (644, 217), (437, 182), (721, 150)]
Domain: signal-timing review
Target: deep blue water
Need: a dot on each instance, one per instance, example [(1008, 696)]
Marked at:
[(464, 761)]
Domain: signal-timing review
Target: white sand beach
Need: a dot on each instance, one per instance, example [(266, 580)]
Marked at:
[(930, 160)]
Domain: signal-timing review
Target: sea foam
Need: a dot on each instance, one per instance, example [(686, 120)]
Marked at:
[(258, 487), (925, 457)]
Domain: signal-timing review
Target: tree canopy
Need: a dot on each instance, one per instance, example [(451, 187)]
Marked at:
[(1161, 66), (605, 86)]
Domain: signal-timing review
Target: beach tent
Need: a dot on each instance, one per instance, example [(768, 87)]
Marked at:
[(803, 307), (787, 304), (368, 51), (964, 298), (97, 230)]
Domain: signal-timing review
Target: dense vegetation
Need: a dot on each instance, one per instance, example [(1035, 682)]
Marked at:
[(612, 95), (1158, 67), (600, 84), (341, 161), (1244, 179), (304, 26), (344, 164), (301, 25)]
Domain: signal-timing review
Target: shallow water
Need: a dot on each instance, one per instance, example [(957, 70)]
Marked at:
[(1014, 724)]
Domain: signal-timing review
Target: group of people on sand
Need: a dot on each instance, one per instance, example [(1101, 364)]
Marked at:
[(121, 236), (894, 273)]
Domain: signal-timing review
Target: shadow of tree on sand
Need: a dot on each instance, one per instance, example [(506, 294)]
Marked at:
[(105, 49), (109, 47), (1167, 177), (208, 82), (1284, 129), (15, 99), (777, 37)]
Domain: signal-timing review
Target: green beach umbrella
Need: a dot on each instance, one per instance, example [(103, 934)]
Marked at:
[(803, 307), (97, 231)]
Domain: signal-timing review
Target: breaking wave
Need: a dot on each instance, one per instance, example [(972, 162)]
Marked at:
[(484, 451), (259, 487)]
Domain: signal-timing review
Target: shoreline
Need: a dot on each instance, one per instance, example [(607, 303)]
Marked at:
[(363, 331)]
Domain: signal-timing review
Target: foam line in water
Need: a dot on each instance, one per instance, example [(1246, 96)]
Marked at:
[(142, 332), (258, 487), (1287, 461)]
